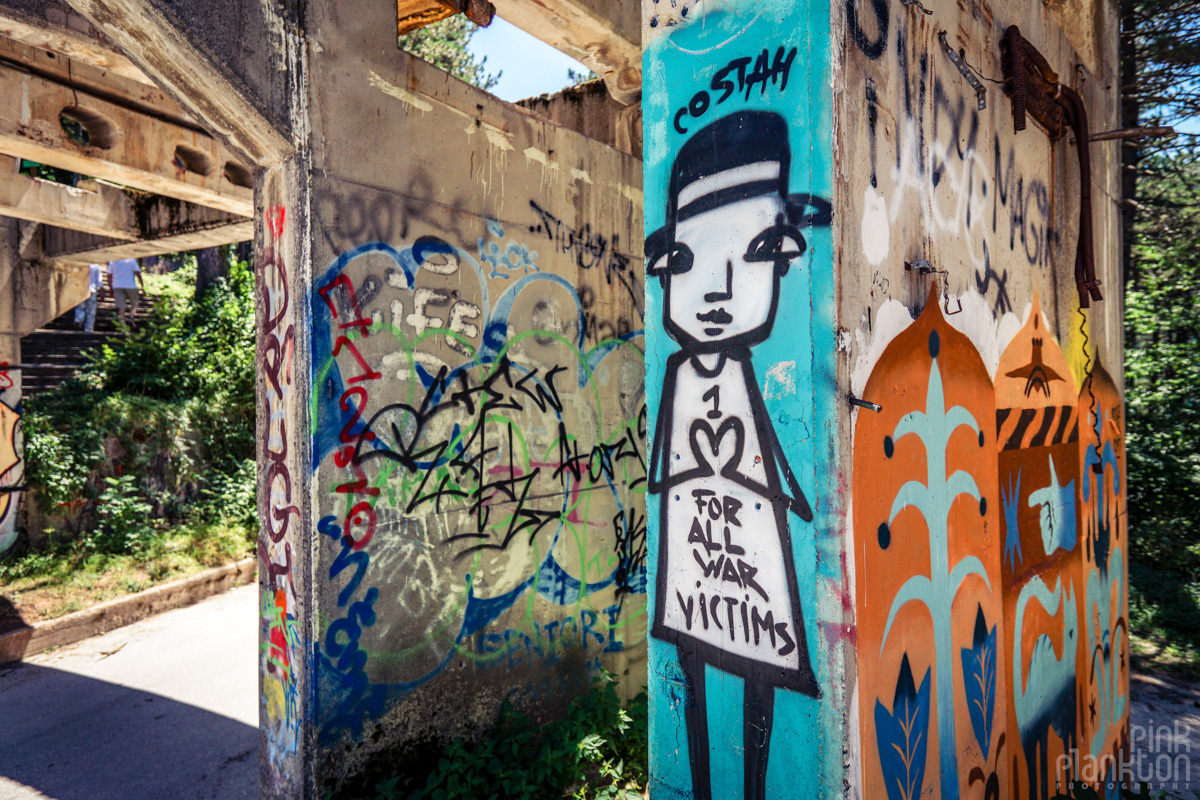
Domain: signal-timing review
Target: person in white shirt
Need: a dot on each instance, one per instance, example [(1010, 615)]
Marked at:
[(85, 312), (124, 278)]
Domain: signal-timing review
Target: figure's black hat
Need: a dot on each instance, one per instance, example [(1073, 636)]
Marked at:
[(742, 155)]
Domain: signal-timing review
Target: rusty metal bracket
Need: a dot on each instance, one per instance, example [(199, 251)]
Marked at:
[(1036, 90), (413, 14), (965, 70), (1032, 85)]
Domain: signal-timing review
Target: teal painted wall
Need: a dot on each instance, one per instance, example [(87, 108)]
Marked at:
[(751, 70)]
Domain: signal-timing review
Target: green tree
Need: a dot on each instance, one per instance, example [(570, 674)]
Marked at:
[(444, 44), (1162, 365), (1160, 85)]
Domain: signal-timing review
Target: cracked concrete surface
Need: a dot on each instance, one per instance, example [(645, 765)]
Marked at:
[(164, 708)]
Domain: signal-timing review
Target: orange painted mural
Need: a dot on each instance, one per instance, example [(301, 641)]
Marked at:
[(1037, 429), (1103, 660), (990, 570), (927, 560)]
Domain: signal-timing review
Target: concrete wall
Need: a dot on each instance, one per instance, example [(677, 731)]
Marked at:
[(745, 659), (589, 109), (990, 596), (453, 417), (963, 579), (31, 294)]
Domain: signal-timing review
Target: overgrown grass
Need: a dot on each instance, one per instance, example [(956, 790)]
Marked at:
[(1164, 620), (598, 751), (67, 576)]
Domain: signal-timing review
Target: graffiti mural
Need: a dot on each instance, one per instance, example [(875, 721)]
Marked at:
[(738, 240), (1032, 595), (11, 462), (1037, 433), (281, 655), (928, 571), (481, 449), (1103, 661), (731, 235)]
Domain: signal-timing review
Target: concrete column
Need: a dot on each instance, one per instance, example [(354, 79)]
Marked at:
[(452, 418), (31, 294), (745, 661), (885, 431), (12, 469), (285, 548)]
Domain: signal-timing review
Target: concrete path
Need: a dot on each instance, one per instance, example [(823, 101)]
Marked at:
[(1165, 734), (164, 709)]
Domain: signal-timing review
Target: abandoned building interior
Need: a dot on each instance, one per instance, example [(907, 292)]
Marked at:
[(501, 441)]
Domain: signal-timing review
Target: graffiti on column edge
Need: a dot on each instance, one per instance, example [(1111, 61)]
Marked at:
[(10, 456), (484, 462), (281, 654)]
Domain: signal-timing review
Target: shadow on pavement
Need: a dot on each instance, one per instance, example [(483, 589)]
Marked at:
[(71, 737)]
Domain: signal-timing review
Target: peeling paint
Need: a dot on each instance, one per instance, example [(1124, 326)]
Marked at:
[(876, 230), (403, 95)]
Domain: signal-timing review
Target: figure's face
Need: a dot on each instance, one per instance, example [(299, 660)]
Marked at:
[(728, 295)]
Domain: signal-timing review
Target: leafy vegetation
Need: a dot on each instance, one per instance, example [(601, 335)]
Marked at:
[(1160, 85), (149, 451), (598, 751), (1162, 371), (444, 44)]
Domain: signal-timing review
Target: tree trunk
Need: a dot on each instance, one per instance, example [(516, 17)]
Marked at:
[(1131, 151), (211, 264)]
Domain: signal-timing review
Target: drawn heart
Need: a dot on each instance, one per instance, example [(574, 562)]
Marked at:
[(274, 217), (725, 451)]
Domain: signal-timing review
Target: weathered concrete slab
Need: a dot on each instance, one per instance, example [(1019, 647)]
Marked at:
[(52, 25), (96, 209), (195, 231), (125, 146), (240, 66), (601, 34)]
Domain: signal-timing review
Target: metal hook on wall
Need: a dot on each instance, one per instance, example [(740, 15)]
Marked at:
[(1036, 90)]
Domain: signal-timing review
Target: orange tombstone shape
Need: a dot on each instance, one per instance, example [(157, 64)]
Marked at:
[(9, 458), (1037, 429), (927, 541), (1103, 660)]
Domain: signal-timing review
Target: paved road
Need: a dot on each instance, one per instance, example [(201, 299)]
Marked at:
[(165, 709)]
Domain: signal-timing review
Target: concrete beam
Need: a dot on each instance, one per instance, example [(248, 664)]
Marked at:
[(159, 45), (126, 147), (601, 34), (92, 208), (72, 247), (138, 95), (55, 27)]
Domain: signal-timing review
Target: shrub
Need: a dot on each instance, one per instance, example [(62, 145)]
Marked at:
[(597, 752), (159, 426), (124, 518)]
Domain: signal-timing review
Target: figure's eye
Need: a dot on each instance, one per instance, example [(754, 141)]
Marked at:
[(780, 242), (675, 261)]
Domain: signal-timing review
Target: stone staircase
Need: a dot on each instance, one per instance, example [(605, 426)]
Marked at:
[(54, 353)]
